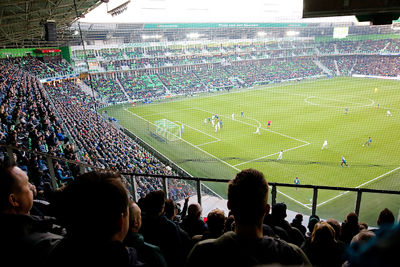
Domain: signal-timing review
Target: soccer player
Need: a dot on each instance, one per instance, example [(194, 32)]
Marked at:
[(269, 123), (368, 142), (343, 162), (280, 155), (296, 181), (216, 127), (257, 131), (388, 113), (346, 110), (219, 125), (182, 128), (233, 116), (242, 114), (212, 122), (325, 145)]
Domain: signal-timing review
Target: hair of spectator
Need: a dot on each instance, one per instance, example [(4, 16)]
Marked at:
[(155, 202), (385, 217), (323, 232), (194, 210), (248, 196), (93, 203)]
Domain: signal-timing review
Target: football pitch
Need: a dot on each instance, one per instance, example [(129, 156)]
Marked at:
[(343, 111)]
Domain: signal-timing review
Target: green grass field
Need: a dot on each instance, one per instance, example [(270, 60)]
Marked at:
[(302, 116)]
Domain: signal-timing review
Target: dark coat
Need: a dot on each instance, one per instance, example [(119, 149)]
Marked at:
[(25, 239)]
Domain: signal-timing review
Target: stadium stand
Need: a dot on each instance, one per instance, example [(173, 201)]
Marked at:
[(59, 119)]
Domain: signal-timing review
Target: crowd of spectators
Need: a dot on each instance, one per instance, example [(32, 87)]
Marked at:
[(155, 57), (30, 121), (40, 68), (365, 65), (107, 88), (102, 145), (92, 220), (377, 65)]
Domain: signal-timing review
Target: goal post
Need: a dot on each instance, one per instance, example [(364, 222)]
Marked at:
[(167, 130)]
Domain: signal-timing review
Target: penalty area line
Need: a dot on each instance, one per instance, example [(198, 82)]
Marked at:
[(199, 131), (270, 155), (243, 122)]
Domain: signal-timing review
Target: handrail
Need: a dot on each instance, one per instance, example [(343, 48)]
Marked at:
[(198, 180)]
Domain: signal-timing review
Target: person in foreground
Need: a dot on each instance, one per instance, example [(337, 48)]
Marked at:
[(94, 208), (25, 239), (246, 245)]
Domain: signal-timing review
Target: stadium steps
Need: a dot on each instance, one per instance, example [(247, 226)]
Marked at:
[(386, 46), (87, 89), (122, 89), (323, 67), (200, 80), (337, 67)]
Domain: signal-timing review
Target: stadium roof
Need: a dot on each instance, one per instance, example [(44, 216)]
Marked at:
[(22, 21)]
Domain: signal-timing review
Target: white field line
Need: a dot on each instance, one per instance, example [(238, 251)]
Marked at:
[(243, 122), (166, 112), (271, 155), (208, 143), (224, 162), (189, 143), (337, 100), (361, 185), (199, 130)]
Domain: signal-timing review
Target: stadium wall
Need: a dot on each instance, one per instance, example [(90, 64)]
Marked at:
[(66, 53), (21, 52)]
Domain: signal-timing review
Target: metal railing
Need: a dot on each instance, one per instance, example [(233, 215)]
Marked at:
[(130, 177)]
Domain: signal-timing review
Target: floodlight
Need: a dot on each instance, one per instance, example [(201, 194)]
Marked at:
[(193, 35), (292, 33)]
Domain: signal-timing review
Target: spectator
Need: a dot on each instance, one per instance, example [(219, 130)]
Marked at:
[(192, 223), (385, 219), (323, 250), (215, 226), (350, 227), (160, 231), (94, 209), (146, 252), (357, 242), (171, 211), (312, 221), (338, 229), (25, 239), (278, 220), (247, 199), (297, 222), (381, 250)]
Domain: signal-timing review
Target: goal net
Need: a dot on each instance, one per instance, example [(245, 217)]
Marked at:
[(167, 130)]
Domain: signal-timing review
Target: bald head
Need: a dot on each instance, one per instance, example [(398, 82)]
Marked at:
[(135, 221)]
